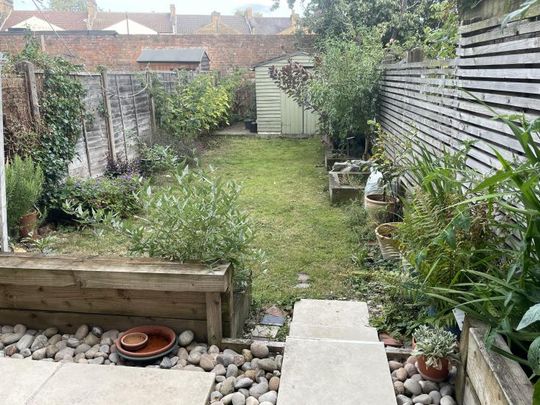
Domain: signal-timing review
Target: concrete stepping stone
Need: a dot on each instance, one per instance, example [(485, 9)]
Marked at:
[(331, 313), (322, 372), (46, 383), (359, 333)]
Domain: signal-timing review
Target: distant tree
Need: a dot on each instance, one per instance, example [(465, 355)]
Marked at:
[(241, 12), (68, 5)]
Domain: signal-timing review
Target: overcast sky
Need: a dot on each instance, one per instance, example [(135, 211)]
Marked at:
[(182, 7)]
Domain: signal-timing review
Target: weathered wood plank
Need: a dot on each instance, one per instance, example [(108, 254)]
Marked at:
[(112, 273), (527, 44), (214, 318), (495, 378), (186, 305)]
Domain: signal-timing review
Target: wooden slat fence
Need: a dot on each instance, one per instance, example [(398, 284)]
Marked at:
[(131, 111), (444, 103)]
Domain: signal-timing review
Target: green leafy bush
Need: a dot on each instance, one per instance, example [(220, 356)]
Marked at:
[(157, 159), (118, 195), (196, 106), (24, 186), (196, 219)]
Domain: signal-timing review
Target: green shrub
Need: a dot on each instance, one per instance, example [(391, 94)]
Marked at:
[(118, 195), (157, 159), (196, 106), (196, 219), (24, 186)]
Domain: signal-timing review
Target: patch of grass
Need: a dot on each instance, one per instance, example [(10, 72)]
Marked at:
[(285, 191)]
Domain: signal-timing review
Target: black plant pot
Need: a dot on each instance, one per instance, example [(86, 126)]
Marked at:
[(253, 127), (247, 124)]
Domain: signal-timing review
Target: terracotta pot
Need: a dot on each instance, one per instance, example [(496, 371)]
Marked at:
[(134, 341), (436, 374), (28, 224), (386, 238), (379, 208), (160, 339)]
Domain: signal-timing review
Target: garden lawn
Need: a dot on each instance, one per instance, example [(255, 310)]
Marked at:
[(285, 191)]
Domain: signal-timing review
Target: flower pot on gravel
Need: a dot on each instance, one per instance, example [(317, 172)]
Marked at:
[(386, 237), (28, 224), (436, 373), (380, 208)]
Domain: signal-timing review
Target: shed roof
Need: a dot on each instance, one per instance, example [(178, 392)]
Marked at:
[(181, 55), (285, 56)]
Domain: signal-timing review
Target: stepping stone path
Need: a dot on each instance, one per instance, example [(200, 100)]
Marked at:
[(333, 356), (236, 378)]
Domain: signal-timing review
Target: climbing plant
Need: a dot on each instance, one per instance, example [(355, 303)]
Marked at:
[(62, 106)]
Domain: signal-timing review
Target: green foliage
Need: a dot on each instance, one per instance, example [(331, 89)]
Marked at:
[(434, 344), (440, 39), (196, 219), (61, 110), (24, 185), (68, 5), (157, 159), (196, 106), (119, 195)]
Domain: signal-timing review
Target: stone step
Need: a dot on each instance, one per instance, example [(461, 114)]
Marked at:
[(352, 333), (323, 372), (46, 383), (328, 313)]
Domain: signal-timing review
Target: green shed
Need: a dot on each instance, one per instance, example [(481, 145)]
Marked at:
[(277, 113)]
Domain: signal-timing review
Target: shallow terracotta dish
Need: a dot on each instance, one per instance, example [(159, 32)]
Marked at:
[(134, 341), (160, 339)]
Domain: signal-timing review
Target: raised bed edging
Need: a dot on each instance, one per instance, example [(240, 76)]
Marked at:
[(331, 157), (340, 193), (485, 377), (119, 293)]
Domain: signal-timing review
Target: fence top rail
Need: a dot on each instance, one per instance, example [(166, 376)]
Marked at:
[(425, 64), (494, 22), (116, 272)]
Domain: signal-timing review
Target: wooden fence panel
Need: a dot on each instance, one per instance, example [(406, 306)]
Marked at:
[(444, 103)]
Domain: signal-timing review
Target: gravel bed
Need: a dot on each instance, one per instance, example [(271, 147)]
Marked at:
[(412, 389), (248, 378)]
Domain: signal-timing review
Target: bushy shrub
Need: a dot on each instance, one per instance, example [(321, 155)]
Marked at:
[(196, 219), (157, 159), (119, 195), (196, 106), (24, 186)]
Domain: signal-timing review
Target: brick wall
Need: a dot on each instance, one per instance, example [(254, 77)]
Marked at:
[(120, 52)]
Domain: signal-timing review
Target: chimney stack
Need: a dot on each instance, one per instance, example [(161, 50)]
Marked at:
[(92, 10), (173, 17), (249, 12), (6, 7), (215, 18)]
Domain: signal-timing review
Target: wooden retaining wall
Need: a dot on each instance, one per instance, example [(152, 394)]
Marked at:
[(119, 293), (438, 102), (485, 377)]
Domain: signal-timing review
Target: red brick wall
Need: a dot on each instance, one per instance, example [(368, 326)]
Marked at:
[(120, 52)]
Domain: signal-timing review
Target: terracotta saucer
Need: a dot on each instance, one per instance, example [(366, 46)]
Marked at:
[(160, 340)]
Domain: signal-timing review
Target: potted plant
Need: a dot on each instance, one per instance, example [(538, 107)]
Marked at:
[(433, 348), (387, 238), (24, 186)]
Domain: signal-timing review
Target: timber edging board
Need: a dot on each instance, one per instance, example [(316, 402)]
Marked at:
[(115, 293), (485, 377)]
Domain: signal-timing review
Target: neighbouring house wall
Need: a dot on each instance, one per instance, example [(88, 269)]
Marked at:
[(120, 52), (444, 103)]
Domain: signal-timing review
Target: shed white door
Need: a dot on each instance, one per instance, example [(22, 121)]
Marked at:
[(295, 119)]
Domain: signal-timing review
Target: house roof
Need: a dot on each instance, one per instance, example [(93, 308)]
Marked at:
[(179, 55), (63, 19), (159, 22), (269, 25), (191, 23)]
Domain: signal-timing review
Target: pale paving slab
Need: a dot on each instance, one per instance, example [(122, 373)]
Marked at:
[(352, 332), (331, 313), (323, 372), (21, 379), (85, 384)]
